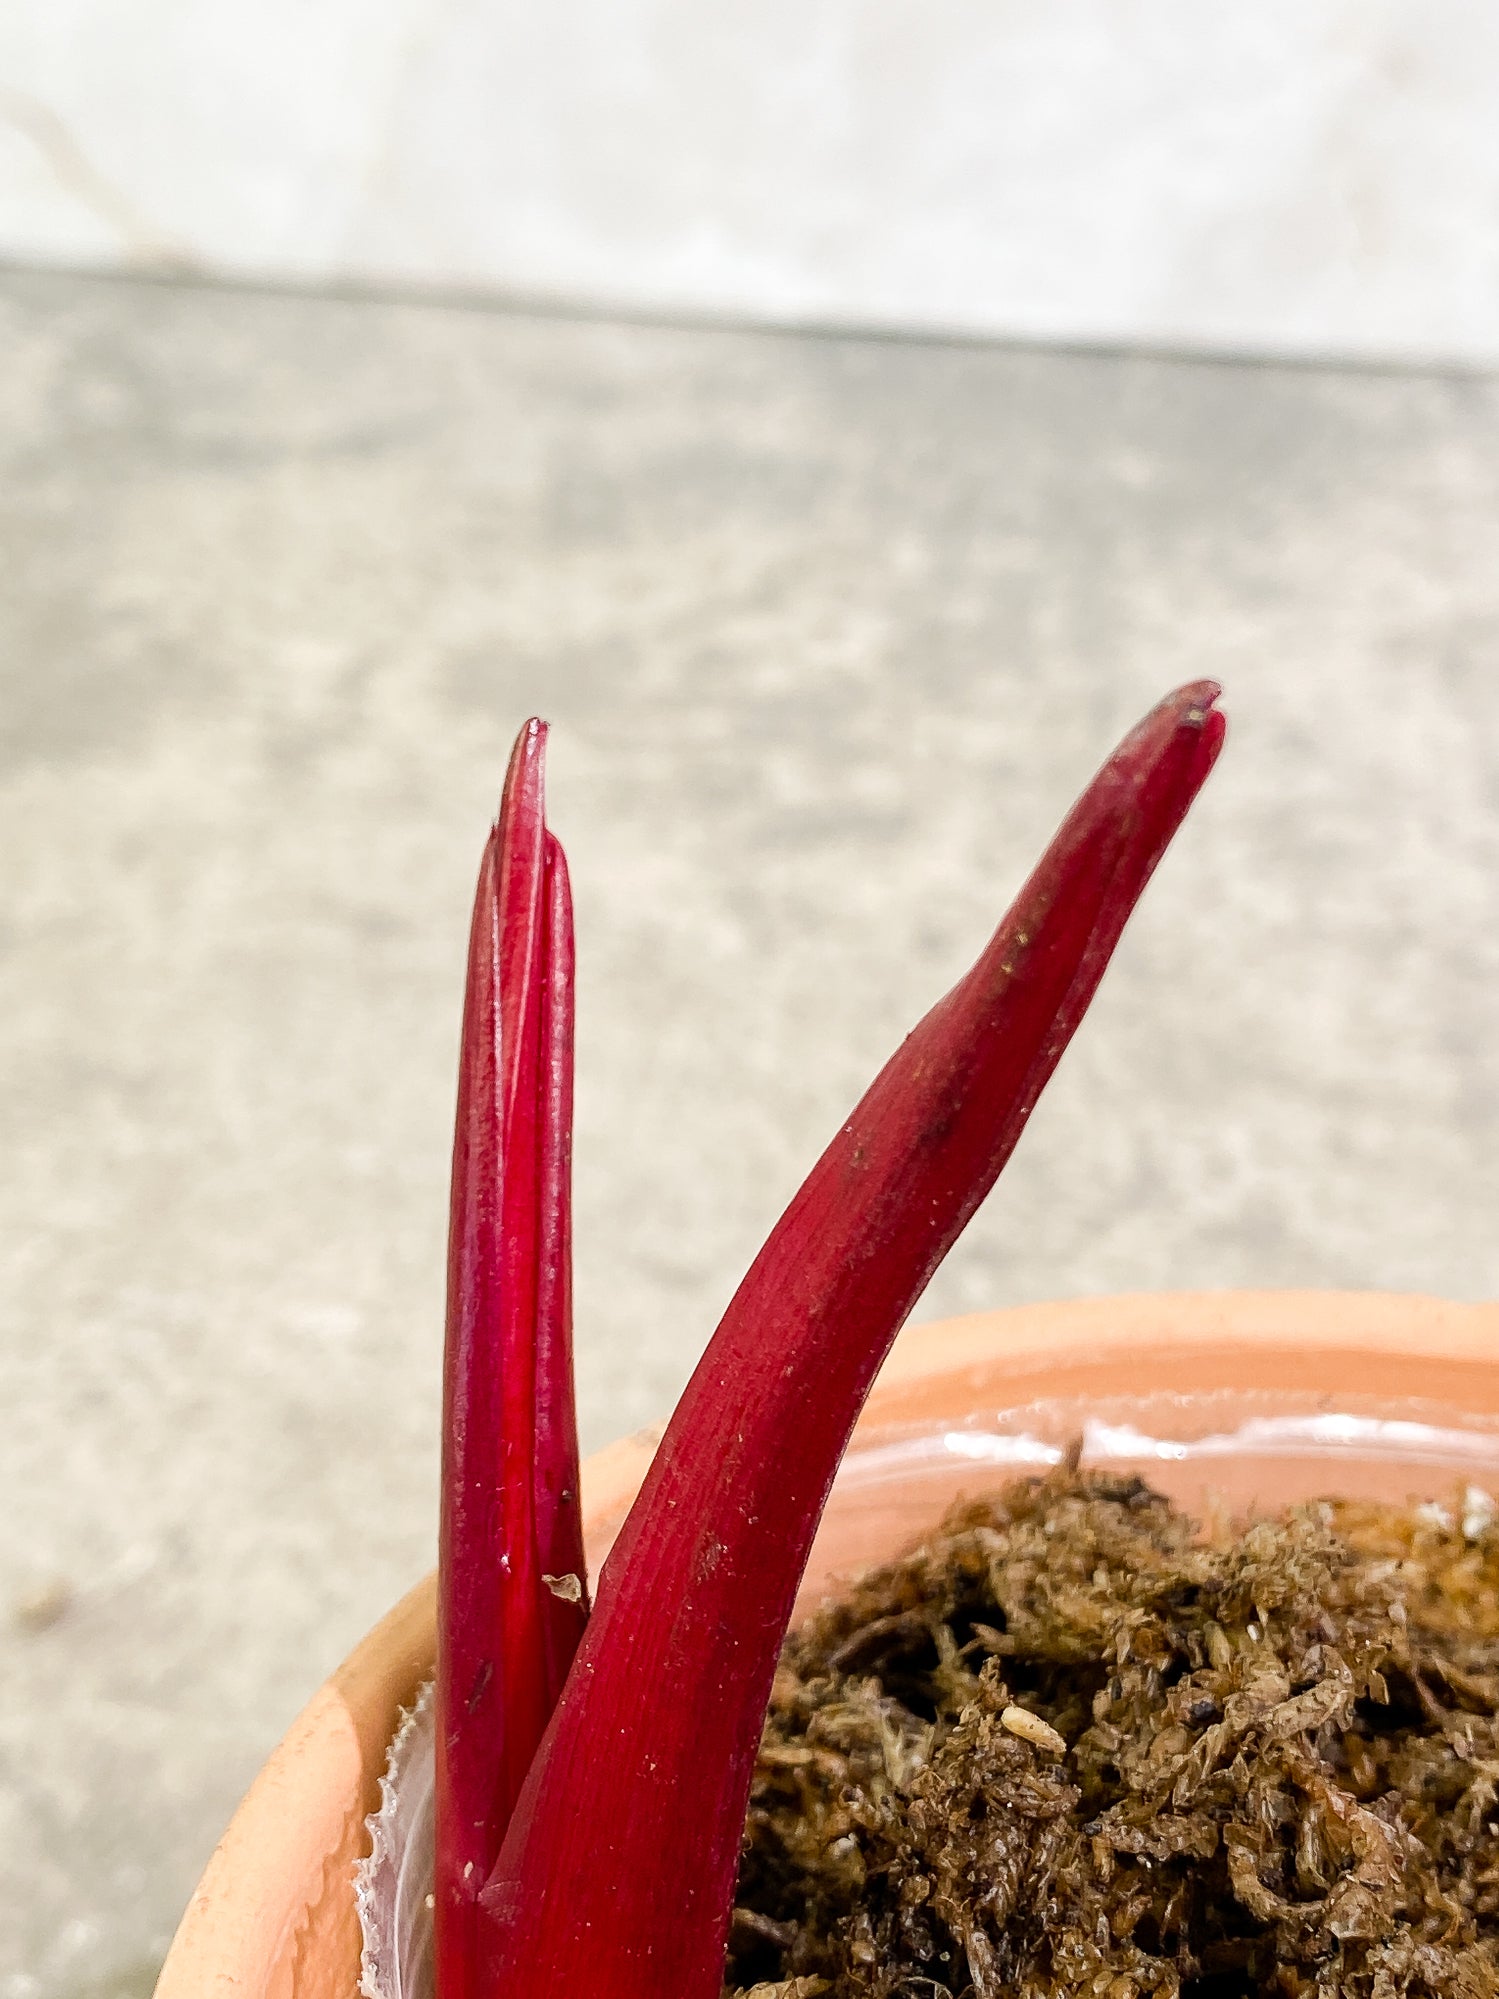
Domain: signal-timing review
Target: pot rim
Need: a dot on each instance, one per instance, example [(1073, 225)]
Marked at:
[(274, 1915)]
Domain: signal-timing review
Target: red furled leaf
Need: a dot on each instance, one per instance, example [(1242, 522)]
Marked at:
[(509, 1475), (616, 1876), (559, 1516)]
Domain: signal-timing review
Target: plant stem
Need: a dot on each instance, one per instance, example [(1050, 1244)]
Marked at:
[(616, 1877), (509, 1474)]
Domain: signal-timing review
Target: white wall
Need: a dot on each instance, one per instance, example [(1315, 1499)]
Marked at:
[(1312, 176)]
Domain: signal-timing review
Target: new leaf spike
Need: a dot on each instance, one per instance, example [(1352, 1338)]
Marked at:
[(616, 1876), (559, 1514), (509, 1475)]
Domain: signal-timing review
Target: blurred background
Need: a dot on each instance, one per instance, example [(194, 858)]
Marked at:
[(842, 422), (1301, 176)]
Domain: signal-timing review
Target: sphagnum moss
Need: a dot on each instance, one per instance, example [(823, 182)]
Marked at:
[(1071, 1746)]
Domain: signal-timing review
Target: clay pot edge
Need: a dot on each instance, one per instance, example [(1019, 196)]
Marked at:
[(273, 1918)]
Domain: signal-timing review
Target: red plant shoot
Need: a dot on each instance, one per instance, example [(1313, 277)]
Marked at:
[(616, 1875), (559, 1515), (510, 1516)]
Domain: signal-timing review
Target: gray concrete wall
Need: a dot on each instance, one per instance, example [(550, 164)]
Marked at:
[(1287, 176)]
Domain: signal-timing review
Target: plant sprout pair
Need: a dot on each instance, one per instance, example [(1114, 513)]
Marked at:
[(594, 1762)]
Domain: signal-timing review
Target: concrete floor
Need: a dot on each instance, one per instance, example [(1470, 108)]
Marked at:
[(830, 632)]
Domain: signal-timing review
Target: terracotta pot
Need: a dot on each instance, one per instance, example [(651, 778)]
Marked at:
[(1255, 1396)]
